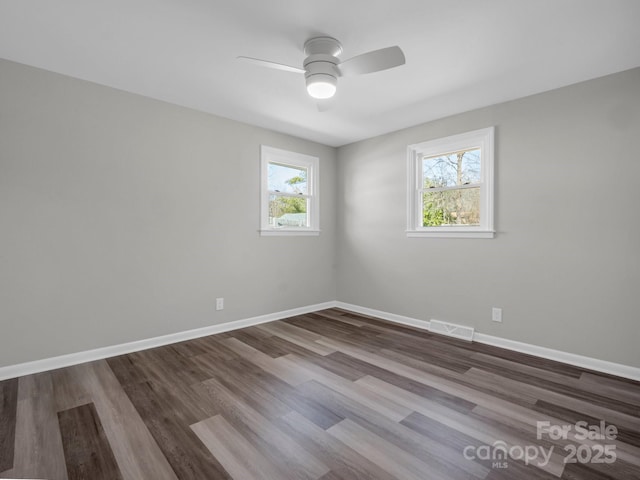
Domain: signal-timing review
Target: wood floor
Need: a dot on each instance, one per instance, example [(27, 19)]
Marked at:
[(329, 395)]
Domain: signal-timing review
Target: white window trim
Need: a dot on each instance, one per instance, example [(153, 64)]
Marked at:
[(483, 138), (271, 154)]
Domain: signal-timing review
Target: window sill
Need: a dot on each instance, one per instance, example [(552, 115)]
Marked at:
[(452, 233), (290, 233)]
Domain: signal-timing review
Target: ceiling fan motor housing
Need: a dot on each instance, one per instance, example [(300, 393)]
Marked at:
[(324, 45), (320, 66)]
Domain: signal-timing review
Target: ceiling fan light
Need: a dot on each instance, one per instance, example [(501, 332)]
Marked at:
[(321, 86)]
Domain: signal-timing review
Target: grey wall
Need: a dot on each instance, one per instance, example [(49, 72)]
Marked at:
[(565, 264), (123, 218)]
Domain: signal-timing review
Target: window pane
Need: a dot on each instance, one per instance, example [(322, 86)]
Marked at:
[(287, 212), (287, 179), (453, 169), (451, 207)]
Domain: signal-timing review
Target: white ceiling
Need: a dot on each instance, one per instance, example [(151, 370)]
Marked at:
[(461, 54)]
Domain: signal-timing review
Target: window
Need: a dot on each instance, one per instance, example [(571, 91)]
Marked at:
[(290, 203), (450, 186)]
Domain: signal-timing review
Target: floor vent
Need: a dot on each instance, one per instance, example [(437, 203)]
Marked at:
[(451, 330)]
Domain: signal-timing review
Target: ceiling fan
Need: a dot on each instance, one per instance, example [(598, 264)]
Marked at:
[(322, 67)]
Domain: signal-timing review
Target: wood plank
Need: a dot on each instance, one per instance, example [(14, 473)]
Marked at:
[(343, 369), (67, 390), (215, 348), (261, 342), (344, 462), (127, 370), (135, 449), (503, 364), (560, 384), (266, 437), (281, 368), (413, 386), (310, 408), (625, 391), (480, 397), (453, 440), (8, 411), (625, 450), (491, 388), (296, 336), (323, 326), (86, 448), (180, 446), (239, 378), (189, 348), (364, 397), (630, 437), (440, 459), (440, 380), (384, 454), (458, 441), (623, 417), (160, 363), (239, 458), (38, 447), (341, 317), (8, 474), (482, 431), (597, 471)]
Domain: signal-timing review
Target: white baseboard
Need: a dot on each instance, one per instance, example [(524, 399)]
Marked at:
[(590, 363), (46, 364), (392, 317)]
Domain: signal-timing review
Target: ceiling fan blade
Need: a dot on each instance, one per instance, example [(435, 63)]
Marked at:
[(266, 63), (373, 61)]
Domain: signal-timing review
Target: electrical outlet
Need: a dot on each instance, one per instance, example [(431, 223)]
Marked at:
[(219, 303), (496, 314)]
